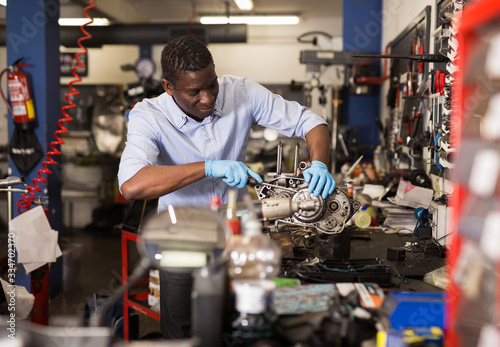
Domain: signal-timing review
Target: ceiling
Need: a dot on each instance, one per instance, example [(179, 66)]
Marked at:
[(181, 11)]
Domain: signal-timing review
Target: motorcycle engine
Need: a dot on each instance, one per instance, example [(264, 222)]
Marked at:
[(329, 216)]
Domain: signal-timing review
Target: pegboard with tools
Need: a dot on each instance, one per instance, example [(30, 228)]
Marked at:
[(419, 98)]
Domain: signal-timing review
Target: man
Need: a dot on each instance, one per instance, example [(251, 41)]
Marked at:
[(189, 144)]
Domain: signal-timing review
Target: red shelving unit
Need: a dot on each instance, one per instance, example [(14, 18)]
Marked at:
[(473, 305), (133, 301)]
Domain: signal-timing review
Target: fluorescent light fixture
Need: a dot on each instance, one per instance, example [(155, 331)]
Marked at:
[(3, 2), (251, 20), (244, 5), (81, 21)]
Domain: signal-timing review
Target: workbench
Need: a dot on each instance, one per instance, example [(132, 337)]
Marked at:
[(376, 247), (373, 244)]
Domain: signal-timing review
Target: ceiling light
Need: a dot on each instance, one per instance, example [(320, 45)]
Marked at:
[(251, 20), (81, 21), (214, 20), (244, 5)]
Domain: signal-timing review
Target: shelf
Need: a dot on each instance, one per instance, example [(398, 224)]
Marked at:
[(132, 301)]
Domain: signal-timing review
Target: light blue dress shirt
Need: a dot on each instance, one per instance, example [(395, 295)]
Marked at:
[(160, 133)]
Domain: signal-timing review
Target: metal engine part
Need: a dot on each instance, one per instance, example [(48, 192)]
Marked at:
[(328, 216)]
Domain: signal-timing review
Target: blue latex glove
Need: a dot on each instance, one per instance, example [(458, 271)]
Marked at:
[(235, 173), (320, 179)]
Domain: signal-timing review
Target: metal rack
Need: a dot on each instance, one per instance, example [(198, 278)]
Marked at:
[(132, 301)]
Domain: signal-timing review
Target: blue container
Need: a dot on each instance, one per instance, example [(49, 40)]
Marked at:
[(414, 310)]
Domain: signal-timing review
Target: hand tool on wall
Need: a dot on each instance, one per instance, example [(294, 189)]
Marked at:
[(424, 58)]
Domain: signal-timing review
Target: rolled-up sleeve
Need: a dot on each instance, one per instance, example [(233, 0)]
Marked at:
[(141, 148)]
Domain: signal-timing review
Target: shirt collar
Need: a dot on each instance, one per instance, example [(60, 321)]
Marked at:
[(183, 118), (217, 112), (174, 113)]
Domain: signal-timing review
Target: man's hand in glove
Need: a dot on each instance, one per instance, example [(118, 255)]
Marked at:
[(319, 178), (235, 173)]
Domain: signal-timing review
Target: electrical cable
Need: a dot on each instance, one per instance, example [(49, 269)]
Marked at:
[(308, 278), (353, 269), (442, 237), (398, 232), (412, 249), (24, 204), (412, 232), (440, 248)]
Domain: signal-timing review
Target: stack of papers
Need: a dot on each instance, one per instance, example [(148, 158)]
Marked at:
[(400, 210), (36, 242), (397, 217)]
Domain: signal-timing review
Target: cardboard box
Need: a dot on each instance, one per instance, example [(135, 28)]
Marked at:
[(154, 290)]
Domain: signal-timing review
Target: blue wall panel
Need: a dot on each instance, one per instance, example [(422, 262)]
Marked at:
[(362, 32)]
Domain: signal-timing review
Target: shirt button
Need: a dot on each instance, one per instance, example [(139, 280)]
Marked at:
[(208, 141)]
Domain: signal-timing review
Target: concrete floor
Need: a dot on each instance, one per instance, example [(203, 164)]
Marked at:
[(97, 270)]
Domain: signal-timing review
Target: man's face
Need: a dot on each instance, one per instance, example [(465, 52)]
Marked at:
[(195, 92)]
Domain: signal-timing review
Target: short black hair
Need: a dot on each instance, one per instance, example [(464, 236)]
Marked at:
[(184, 54)]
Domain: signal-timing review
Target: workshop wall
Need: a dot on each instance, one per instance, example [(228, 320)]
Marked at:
[(104, 64), (396, 16), (271, 55)]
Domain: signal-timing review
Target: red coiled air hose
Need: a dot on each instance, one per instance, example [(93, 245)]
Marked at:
[(25, 204)]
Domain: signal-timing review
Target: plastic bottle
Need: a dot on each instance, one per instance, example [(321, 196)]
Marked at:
[(254, 255), (362, 219), (254, 262)]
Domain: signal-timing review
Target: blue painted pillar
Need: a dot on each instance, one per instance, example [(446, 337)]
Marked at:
[(362, 32), (33, 33)]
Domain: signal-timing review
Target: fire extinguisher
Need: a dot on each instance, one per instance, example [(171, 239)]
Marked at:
[(21, 103), (24, 148)]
